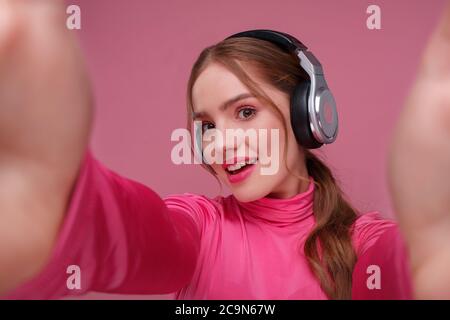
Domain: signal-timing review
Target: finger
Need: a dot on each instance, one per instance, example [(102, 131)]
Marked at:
[(8, 26), (16, 16), (436, 61), (444, 28)]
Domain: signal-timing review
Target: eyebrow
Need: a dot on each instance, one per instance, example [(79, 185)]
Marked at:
[(224, 105)]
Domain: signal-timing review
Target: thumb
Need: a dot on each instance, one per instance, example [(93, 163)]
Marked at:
[(8, 26), (436, 61)]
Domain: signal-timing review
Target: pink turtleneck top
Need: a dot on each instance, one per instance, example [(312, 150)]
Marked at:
[(126, 239)]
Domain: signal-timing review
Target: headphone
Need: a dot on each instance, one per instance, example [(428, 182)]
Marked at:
[(314, 117)]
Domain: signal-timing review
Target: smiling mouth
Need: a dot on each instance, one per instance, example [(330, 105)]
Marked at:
[(240, 167)]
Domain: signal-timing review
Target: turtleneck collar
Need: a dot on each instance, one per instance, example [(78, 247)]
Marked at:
[(281, 212)]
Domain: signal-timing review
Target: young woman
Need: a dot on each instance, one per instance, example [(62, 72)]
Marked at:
[(288, 235)]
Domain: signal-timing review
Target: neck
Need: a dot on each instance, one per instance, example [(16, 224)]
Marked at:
[(292, 186)]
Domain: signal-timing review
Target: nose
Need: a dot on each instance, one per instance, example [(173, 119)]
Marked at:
[(228, 143)]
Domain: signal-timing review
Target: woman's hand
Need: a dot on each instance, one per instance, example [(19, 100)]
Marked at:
[(419, 168), (45, 120)]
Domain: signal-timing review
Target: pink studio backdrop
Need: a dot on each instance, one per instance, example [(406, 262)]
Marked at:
[(140, 52)]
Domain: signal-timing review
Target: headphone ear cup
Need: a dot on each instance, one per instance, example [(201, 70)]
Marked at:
[(300, 117)]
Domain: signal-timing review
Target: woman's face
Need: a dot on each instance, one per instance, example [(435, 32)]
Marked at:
[(251, 165)]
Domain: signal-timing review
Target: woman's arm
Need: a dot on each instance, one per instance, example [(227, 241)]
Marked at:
[(419, 168), (45, 121), (121, 237), (59, 207), (382, 271)]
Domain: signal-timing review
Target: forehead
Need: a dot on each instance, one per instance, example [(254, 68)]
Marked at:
[(216, 84)]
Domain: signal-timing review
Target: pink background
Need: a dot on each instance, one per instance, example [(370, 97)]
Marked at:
[(140, 53)]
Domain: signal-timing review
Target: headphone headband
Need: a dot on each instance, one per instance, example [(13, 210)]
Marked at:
[(283, 40)]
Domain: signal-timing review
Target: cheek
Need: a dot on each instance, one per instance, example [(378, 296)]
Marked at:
[(271, 145), (268, 122)]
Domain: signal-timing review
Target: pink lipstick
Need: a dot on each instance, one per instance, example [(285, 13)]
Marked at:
[(238, 169)]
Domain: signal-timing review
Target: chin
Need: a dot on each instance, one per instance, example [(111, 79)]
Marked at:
[(245, 197), (251, 189), (247, 193)]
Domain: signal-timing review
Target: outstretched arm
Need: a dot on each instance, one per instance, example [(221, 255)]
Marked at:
[(419, 168), (122, 238), (45, 121), (59, 206)]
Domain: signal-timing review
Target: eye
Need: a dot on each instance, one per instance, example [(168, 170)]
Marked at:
[(207, 126), (246, 113)]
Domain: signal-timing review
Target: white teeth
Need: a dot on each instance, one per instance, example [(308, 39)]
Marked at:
[(239, 165), (236, 166)]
